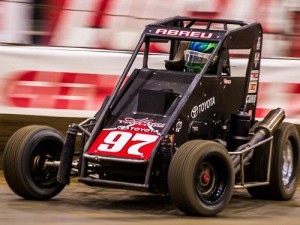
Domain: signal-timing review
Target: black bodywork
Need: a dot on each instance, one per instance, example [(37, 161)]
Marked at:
[(183, 105), (192, 136)]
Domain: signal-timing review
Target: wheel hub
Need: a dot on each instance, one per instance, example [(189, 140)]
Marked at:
[(205, 178), (37, 162)]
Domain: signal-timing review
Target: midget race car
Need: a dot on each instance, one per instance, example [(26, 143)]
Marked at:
[(192, 136)]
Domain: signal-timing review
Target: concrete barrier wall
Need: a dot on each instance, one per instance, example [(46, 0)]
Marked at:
[(73, 82)]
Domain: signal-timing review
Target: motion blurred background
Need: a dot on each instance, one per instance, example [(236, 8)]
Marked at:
[(117, 24), (53, 60)]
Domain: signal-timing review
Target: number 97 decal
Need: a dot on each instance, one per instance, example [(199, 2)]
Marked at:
[(124, 144)]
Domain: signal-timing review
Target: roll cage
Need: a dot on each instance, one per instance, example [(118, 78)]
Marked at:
[(228, 34)]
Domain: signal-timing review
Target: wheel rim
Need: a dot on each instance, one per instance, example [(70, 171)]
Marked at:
[(210, 180), (287, 163), (206, 179), (45, 176)]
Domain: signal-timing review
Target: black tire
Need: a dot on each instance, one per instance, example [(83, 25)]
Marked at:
[(23, 162), (284, 165), (201, 178)]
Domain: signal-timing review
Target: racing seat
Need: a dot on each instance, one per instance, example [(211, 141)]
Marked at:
[(177, 63)]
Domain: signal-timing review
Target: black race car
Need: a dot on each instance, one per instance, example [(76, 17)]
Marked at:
[(192, 135)]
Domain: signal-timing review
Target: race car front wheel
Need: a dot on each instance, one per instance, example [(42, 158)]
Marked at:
[(201, 178), (24, 160), (284, 165)]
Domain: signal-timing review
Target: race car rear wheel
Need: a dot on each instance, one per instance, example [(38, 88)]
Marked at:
[(201, 178), (24, 162), (284, 166)]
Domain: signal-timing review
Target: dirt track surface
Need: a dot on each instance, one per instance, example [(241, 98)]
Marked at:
[(80, 204)]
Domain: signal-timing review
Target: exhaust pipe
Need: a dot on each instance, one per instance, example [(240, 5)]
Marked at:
[(268, 126), (272, 121), (265, 129)]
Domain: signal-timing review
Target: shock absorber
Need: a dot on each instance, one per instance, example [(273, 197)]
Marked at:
[(165, 159), (66, 158), (239, 129)]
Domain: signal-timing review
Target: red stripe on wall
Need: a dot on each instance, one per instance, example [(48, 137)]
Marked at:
[(56, 9), (102, 8), (295, 39), (56, 90), (220, 6)]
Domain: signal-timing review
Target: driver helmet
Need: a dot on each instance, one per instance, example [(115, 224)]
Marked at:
[(197, 55)]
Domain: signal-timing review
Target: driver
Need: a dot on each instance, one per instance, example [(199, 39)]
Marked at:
[(197, 54)]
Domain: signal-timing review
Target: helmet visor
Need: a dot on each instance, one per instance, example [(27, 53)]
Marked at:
[(191, 56)]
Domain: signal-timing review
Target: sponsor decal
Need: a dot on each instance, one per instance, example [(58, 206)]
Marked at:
[(252, 87), (143, 125), (226, 81), (141, 129), (171, 138), (197, 109), (144, 121), (251, 99), (184, 33), (132, 138), (258, 45), (256, 59), (178, 126), (254, 74), (125, 144)]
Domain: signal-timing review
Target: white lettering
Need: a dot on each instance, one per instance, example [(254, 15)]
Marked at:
[(251, 99), (196, 110), (173, 32), (194, 34), (141, 122), (205, 35), (161, 31), (116, 141), (184, 33)]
